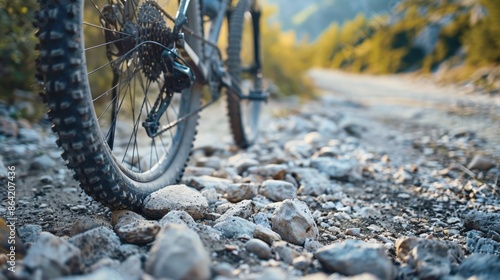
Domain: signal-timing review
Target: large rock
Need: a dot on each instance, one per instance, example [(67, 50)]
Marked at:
[(53, 257), (277, 190), (97, 244), (354, 257), (133, 228), (430, 259), (178, 253), (293, 221), (176, 197)]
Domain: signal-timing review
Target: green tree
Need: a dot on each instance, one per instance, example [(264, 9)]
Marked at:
[(17, 46)]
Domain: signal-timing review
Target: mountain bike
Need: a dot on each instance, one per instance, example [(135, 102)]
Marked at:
[(124, 81)]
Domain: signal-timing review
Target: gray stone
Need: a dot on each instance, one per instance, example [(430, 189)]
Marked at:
[(209, 182), (3, 169), (272, 273), (430, 259), (53, 257), (224, 269), (346, 257), (29, 136), (482, 221), (266, 234), (235, 227), (103, 273), (29, 233), (211, 162), (262, 219), (260, 248), (85, 223), (481, 163), (480, 266), (211, 195), (353, 231), (478, 242), (133, 228), (327, 152), (178, 253), (277, 190), (179, 218), (238, 192), (242, 162), (275, 171), (176, 197), (285, 252), (43, 162), (302, 262), (314, 139), (312, 182), (293, 221), (198, 171), (334, 168), (243, 209), (96, 244), (298, 149)]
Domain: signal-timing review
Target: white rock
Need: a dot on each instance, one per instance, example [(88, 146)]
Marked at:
[(293, 221), (179, 218), (354, 257), (277, 190), (242, 191), (178, 253), (176, 197), (243, 209), (53, 257)]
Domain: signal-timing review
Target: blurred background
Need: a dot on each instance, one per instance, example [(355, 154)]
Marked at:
[(451, 41)]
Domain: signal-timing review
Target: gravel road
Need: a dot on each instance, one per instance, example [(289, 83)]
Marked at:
[(370, 181)]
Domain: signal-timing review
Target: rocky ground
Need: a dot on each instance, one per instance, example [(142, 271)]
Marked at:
[(325, 194)]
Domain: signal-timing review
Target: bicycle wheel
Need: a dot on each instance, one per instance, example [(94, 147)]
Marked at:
[(104, 80), (243, 114)]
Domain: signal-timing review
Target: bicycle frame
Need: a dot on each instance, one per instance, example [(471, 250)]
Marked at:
[(202, 66)]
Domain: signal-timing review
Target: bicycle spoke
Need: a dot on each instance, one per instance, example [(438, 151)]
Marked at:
[(104, 44), (105, 28)]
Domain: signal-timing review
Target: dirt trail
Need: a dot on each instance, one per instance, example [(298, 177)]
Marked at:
[(418, 101)]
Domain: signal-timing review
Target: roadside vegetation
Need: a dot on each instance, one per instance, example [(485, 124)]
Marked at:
[(455, 39)]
